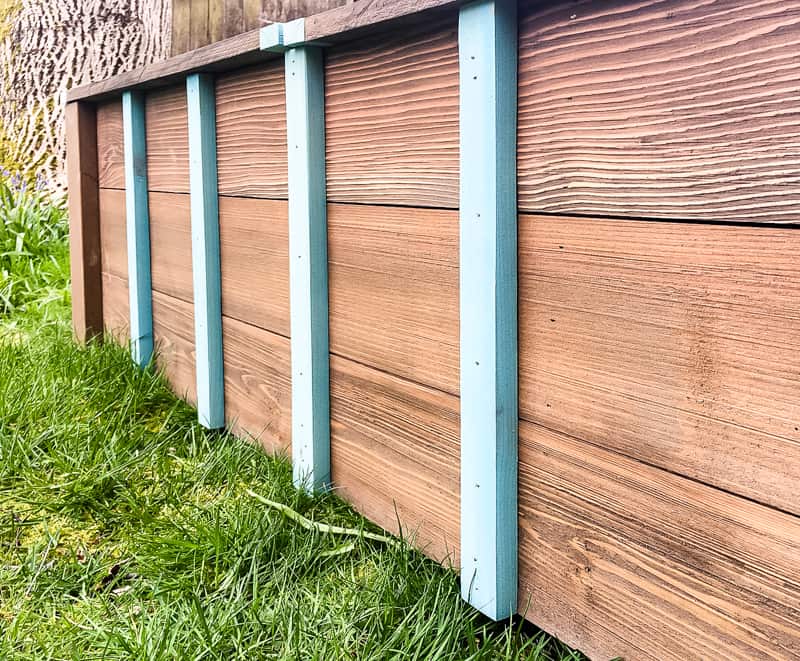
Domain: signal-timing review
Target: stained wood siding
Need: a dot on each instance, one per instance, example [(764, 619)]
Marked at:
[(251, 132), (671, 109), (411, 330), (391, 117), (668, 342)]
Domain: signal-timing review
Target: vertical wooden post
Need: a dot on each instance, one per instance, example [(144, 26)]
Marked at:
[(308, 252), (488, 284), (84, 221), (137, 213), (308, 270), (200, 94)]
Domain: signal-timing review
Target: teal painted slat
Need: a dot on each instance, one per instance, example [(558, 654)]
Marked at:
[(200, 96), (308, 271), (487, 36), (137, 228)]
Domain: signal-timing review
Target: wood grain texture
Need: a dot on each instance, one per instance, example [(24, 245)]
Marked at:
[(393, 290), (623, 560), (252, 14), (354, 18), (181, 25), (199, 32), (113, 237), (234, 18), (679, 109), (251, 132), (171, 245), (173, 329), (258, 380), (167, 126), (84, 221), (110, 152), (116, 307), (392, 118), (668, 342), (394, 454), (216, 20), (254, 250)]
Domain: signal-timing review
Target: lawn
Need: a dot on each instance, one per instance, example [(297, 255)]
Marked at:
[(129, 532)]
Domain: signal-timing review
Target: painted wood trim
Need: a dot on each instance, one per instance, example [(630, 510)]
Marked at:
[(488, 302), (308, 267), (200, 95), (84, 221), (137, 223)]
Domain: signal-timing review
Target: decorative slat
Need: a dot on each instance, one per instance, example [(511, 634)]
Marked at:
[(308, 267), (488, 291), (205, 250), (138, 228)]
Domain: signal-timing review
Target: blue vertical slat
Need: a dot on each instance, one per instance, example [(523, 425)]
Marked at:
[(205, 250), (308, 267), (137, 228), (488, 299)]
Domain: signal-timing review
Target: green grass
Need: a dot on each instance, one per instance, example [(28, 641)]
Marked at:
[(127, 531), (34, 255)]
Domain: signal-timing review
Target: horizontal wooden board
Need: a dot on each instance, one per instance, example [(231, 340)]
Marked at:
[(391, 117), (679, 109), (253, 252), (254, 255), (672, 343), (394, 454), (171, 244), (110, 149), (173, 330), (357, 16), (116, 307), (113, 234), (623, 560), (251, 132), (393, 290), (167, 129), (258, 393)]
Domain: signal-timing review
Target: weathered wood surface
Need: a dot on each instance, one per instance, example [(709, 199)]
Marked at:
[(251, 132), (393, 290), (196, 23), (258, 378), (84, 221), (669, 342), (171, 245), (391, 115), (113, 238), (173, 329), (167, 126), (677, 109), (350, 21), (621, 559), (116, 307), (394, 453), (342, 23), (110, 152)]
